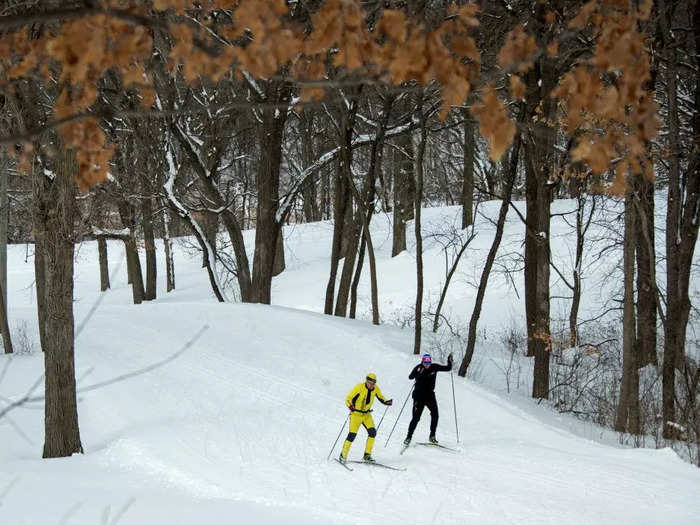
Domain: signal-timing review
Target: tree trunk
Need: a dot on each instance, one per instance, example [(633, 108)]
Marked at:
[(210, 222), (508, 183), (5, 325), (576, 187), (342, 202), (468, 181), (104, 263), (280, 263), (40, 279), (168, 248), (404, 185), (628, 408), (197, 231), (418, 201), (134, 267), (352, 239), (228, 217), (4, 219), (325, 194), (267, 227), (540, 162), (311, 211), (682, 217), (126, 212), (150, 246), (646, 285), (54, 213)]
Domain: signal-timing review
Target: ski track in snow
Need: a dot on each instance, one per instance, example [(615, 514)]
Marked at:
[(241, 423)]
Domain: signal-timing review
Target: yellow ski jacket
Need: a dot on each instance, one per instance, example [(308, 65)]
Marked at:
[(362, 398)]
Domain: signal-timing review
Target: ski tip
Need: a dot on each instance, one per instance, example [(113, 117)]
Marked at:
[(342, 464)]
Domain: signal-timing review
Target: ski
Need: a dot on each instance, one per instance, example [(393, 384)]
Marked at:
[(375, 464), (439, 446), (343, 464)]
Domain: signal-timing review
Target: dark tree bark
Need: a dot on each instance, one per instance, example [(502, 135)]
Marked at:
[(646, 276), (267, 227), (468, 181), (133, 263), (210, 223), (403, 195), (627, 419), (682, 215), (149, 240), (311, 210), (581, 229), (352, 230), (418, 201), (40, 279), (280, 263), (4, 222), (540, 161), (508, 183), (54, 213), (4, 324), (104, 263), (168, 248)]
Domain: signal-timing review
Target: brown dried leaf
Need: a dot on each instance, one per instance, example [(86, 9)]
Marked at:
[(393, 23), (518, 50), (495, 124), (517, 87), (581, 19)]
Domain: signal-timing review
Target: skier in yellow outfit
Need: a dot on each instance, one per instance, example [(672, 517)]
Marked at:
[(359, 402)]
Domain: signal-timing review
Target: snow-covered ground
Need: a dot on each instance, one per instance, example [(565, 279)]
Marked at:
[(236, 426)]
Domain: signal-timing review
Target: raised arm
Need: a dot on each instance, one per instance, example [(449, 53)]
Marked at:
[(414, 372), (444, 368)]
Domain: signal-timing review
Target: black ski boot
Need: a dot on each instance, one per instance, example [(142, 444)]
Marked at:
[(433, 439), (368, 458)]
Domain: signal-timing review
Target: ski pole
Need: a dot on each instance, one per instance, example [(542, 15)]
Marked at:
[(382, 419), (336, 439), (399, 416), (454, 403)]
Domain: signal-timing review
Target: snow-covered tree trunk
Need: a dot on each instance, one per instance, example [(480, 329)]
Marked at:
[(168, 248)]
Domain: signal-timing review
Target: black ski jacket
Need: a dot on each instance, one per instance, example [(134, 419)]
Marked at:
[(425, 377)]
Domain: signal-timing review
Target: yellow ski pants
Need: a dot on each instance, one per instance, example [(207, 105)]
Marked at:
[(357, 419)]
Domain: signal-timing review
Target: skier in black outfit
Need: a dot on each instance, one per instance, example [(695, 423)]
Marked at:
[(424, 394)]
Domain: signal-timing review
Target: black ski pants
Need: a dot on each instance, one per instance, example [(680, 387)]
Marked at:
[(419, 403)]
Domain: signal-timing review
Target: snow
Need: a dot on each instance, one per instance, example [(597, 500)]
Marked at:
[(236, 428)]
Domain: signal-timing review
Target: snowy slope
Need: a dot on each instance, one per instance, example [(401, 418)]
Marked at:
[(236, 428)]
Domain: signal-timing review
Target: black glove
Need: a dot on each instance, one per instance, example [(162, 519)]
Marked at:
[(449, 359), (389, 402)]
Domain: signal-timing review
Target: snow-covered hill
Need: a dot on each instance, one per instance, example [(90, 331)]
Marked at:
[(236, 426)]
